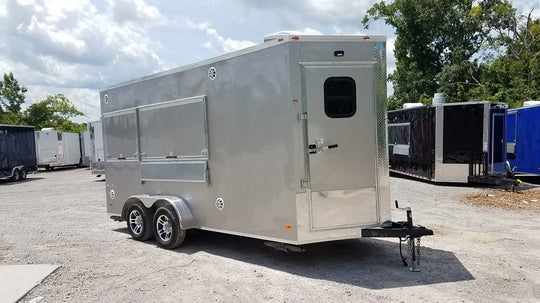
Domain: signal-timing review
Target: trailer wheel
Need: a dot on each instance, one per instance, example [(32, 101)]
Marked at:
[(23, 174), (139, 222), (16, 175), (167, 229)]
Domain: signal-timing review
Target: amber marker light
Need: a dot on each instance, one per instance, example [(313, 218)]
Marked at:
[(288, 226), (295, 38)]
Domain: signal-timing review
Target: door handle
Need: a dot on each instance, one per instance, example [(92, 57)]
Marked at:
[(314, 149)]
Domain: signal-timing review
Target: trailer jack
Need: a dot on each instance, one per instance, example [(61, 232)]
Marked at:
[(406, 232)]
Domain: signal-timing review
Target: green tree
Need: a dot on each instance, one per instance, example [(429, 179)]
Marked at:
[(11, 99), (515, 76), (55, 111), (434, 35)]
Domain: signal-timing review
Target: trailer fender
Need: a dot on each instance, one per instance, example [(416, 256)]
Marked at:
[(19, 168), (185, 217)]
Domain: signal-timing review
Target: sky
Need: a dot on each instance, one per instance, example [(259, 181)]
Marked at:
[(77, 47)]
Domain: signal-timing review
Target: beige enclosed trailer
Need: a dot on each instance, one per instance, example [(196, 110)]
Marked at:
[(283, 141)]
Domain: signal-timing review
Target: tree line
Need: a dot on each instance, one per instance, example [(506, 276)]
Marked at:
[(466, 49), (55, 111)]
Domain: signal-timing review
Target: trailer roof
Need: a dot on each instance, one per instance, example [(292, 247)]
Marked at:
[(449, 104), (285, 38), (524, 107), (9, 125)]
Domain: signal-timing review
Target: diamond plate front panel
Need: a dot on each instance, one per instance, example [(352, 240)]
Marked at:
[(343, 208)]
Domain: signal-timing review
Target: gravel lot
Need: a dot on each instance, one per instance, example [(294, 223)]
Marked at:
[(478, 254)]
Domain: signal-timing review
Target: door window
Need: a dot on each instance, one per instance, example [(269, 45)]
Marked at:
[(339, 97)]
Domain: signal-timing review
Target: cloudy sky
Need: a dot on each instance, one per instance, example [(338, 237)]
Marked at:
[(77, 47)]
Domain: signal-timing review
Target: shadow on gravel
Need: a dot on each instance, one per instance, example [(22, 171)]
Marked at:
[(529, 182), (368, 263), (29, 179)]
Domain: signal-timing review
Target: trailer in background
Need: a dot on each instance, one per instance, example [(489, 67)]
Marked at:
[(449, 142), (17, 151), (57, 148), (86, 147), (97, 158), (523, 139)]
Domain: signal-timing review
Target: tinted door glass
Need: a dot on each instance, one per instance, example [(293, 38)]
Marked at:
[(339, 97)]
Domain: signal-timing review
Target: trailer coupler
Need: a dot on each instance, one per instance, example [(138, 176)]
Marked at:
[(406, 232)]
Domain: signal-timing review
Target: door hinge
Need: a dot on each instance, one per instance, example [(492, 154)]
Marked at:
[(304, 183), (302, 116)]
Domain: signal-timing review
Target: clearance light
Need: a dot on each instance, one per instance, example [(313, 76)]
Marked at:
[(366, 38), (280, 40), (295, 38), (288, 226)]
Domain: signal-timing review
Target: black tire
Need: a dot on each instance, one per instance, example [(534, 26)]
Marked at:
[(139, 222), (16, 175), (167, 231), (24, 174)]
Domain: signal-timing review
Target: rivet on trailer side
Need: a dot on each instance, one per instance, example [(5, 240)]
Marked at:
[(284, 141)]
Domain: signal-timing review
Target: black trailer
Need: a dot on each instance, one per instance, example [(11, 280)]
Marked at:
[(17, 151), (452, 142)]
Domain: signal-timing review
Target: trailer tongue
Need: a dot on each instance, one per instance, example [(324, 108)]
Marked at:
[(406, 232)]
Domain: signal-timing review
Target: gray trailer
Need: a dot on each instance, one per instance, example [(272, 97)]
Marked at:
[(86, 147), (283, 141), (17, 152), (57, 148), (97, 158)]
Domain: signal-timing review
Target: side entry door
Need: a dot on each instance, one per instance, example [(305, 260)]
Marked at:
[(341, 144)]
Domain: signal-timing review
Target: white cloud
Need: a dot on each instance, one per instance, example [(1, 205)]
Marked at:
[(334, 10), (348, 31), (136, 11), (310, 31), (220, 45), (71, 42)]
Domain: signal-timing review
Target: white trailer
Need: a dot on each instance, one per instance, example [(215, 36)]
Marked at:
[(284, 141), (57, 148)]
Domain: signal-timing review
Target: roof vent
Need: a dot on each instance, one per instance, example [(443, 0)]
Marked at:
[(438, 98)]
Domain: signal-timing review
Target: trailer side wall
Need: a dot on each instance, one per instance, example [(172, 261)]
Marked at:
[(17, 148)]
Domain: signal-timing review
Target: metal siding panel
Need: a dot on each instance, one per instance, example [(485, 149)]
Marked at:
[(527, 149), (178, 171), (420, 157), (121, 139), (250, 138), (165, 129)]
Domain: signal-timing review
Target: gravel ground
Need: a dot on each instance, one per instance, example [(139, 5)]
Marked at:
[(478, 254)]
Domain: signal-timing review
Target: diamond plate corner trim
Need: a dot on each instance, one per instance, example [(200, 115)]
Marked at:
[(383, 178)]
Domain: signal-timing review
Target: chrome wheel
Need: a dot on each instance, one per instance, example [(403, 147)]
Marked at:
[(167, 230), (136, 222), (139, 221), (164, 228)]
